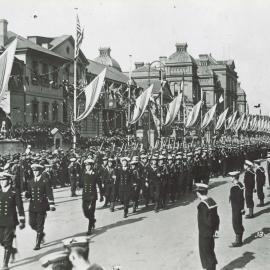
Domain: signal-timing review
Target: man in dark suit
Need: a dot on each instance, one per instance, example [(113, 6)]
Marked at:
[(208, 224), (41, 200), (237, 201), (10, 202)]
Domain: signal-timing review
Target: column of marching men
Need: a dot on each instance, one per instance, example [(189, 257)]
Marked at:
[(158, 177)]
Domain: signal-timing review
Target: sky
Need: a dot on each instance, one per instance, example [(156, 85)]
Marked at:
[(147, 29)]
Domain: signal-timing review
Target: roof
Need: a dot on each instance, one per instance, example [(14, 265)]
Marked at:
[(25, 44), (181, 55), (111, 74), (145, 68), (58, 40), (240, 91), (106, 59)]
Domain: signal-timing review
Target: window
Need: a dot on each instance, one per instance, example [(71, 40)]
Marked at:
[(67, 49), (34, 111), (55, 77), (55, 111), (35, 73), (45, 111), (45, 74)]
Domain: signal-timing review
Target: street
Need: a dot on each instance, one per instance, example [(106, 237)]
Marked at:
[(148, 240)]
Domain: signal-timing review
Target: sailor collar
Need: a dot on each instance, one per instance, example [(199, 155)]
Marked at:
[(210, 203), (239, 185)]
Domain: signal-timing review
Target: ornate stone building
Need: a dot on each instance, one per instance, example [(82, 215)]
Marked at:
[(241, 101)]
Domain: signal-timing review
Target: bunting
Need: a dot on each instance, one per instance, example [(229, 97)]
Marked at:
[(193, 115), (246, 123), (6, 63), (221, 119), (208, 117), (173, 110), (141, 103), (239, 122), (92, 93)]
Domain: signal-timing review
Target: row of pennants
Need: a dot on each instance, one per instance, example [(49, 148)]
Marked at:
[(92, 93)]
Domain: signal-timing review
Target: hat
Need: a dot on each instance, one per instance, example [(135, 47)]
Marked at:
[(201, 187), (125, 158), (80, 241), (133, 162), (170, 157), (89, 161), (234, 174), (248, 163), (161, 157), (36, 167), (154, 157), (55, 258), (73, 159), (105, 158), (135, 158), (111, 159), (144, 156)]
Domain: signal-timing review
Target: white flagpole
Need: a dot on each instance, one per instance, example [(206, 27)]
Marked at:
[(75, 86)]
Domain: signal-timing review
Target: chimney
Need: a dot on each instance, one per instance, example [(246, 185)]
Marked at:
[(163, 59), (3, 32), (181, 47), (105, 51), (139, 64)]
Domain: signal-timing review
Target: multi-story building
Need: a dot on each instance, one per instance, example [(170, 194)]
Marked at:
[(241, 101), (36, 92)]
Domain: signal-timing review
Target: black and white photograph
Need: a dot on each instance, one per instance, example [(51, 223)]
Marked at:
[(134, 134)]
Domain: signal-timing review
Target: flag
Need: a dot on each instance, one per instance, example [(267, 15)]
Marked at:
[(141, 103), (246, 123), (221, 119), (193, 115), (257, 106), (92, 93), (220, 100), (173, 110), (208, 117), (6, 63), (231, 120), (239, 122), (79, 37)]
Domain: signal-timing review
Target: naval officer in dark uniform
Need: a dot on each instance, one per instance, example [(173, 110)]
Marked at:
[(41, 200), (10, 202), (208, 224), (89, 196), (237, 201)]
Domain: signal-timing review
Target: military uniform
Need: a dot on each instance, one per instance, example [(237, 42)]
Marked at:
[(237, 203), (41, 200), (10, 202), (74, 173), (260, 182), (125, 186), (208, 224), (89, 194), (249, 181)]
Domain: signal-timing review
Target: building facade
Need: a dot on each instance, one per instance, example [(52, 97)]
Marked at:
[(241, 101)]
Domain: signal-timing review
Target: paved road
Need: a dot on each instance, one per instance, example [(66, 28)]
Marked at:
[(148, 240)]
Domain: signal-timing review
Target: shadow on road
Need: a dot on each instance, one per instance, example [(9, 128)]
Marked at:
[(240, 262), (261, 212), (217, 184), (96, 232), (254, 236)]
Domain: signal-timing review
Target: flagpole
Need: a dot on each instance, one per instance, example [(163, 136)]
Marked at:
[(75, 86), (184, 108)]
